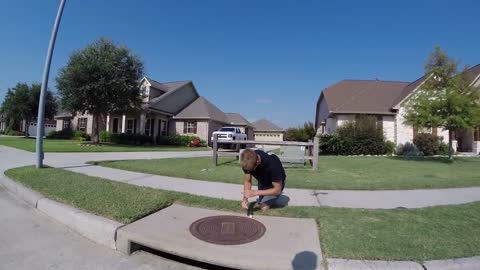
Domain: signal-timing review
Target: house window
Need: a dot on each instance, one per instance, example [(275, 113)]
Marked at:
[(190, 127), (132, 126), (82, 124), (149, 128), (476, 134), (380, 121), (66, 124), (163, 127)]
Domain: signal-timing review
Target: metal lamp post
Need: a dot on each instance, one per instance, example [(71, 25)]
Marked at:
[(46, 71)]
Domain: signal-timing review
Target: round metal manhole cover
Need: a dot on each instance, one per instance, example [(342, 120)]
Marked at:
[(227, 230)]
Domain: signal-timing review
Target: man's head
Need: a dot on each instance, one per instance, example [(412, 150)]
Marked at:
[(249, 160)]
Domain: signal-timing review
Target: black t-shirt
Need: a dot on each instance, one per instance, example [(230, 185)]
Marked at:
[(269, 170)]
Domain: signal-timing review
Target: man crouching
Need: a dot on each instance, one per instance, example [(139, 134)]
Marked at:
[(270, 175)]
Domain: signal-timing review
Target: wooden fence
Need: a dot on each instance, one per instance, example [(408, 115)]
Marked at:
[(311, 146)]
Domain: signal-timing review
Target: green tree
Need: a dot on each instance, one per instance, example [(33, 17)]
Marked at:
[(447, 99), (100, 79), (301, 134), (21, 103)]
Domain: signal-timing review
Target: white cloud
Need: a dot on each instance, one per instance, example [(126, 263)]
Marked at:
[(263, 101)]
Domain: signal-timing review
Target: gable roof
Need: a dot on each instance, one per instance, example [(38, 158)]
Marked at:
[(176, 97), (475, 72), (201, 108), (265, 125), (407, 91), (237, 119), (363, 96)]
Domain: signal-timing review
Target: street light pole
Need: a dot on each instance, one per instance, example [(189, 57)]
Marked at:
[(46, 71)]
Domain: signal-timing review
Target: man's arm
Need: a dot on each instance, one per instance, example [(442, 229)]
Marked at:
[(275, 191), (247, 187)]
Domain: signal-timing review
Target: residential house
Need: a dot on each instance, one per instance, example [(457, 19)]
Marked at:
[(265, 130), (168, 108), (238, 120), (347, 99)]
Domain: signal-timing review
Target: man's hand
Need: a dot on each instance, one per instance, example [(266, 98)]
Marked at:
[(245, 203), (250, 193)]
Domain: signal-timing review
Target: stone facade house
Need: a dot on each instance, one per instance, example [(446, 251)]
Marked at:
[(168, 108), (347, 99)]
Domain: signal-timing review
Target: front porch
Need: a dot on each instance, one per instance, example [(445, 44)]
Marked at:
[(150, 123), (468, 140)]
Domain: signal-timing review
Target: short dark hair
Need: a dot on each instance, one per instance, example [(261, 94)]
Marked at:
[(248, 160)]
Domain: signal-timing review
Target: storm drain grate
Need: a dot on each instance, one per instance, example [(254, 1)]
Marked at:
[(227, 230)]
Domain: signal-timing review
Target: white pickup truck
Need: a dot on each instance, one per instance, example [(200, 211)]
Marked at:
[(229, 134)]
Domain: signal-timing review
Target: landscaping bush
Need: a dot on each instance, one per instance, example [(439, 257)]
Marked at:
[(105, 136), (430, 144), (81, 135), (329, 144), (128, 138), (362, 137), (61, 134), (427, 143), (2, 132), (408, 149), (390, 147), (12, 132), (442, 149), (301, 134)]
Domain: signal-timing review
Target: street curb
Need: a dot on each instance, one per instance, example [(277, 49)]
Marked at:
[(471, 263), (98, 229), (26, 194), (343, 264)]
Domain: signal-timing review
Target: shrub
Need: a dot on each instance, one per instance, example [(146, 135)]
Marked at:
[(61, 134), (408, 149), (390, 147), (133, 139), (427, 143), (2, 132), (81, 134), (442, 149), (105, 136), (329, 144), (301, 134), (12, 132), (362, 137)]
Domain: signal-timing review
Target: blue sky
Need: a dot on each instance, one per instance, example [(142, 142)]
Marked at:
[(263, 59)]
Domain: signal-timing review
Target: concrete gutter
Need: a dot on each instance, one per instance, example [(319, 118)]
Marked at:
[(98, 229)]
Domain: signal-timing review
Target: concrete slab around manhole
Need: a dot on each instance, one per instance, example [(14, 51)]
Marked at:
[(288, 243)]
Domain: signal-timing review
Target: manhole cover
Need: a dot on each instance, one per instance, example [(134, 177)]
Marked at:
[(227, 230)]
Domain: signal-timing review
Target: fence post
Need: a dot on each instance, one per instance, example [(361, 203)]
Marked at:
[(215, 148), (316, 142)]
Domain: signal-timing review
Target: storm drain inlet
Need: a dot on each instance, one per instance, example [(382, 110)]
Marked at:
[(227, 230)]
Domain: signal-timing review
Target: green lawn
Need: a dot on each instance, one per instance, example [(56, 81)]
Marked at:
[(335, 172), (57, 145), (400, 234)]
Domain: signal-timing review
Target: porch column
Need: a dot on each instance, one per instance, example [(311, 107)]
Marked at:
[(107, 127), (155, 126), (124, 123), (142, 123)]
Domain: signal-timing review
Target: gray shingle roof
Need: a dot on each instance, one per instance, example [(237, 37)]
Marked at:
[(265, 125), (363, 96), (201, 108), (168, 87), (237, 119)]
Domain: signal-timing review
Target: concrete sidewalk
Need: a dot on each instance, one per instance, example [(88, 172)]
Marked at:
[(381, 199)]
